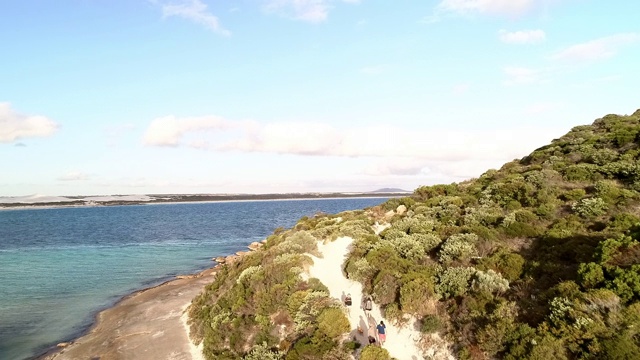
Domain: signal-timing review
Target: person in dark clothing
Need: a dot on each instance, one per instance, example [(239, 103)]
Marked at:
[(347, 300), (372, 340)]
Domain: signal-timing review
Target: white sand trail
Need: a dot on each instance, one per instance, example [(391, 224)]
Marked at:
[(401, 342)]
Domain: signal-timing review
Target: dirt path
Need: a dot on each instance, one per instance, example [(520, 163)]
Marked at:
[(401, 342)]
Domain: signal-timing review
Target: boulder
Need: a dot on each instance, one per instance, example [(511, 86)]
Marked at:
[(63, 344), (254, 246), (220, 259), (401, 209)]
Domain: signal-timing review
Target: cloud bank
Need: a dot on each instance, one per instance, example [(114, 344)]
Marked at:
[(401, 151), (14, 126)]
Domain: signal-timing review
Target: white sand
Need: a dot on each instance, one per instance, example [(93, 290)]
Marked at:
[(401, 342), (196, 350)]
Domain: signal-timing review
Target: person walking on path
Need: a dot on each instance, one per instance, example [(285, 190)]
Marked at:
[(368, 304), (382, 332)]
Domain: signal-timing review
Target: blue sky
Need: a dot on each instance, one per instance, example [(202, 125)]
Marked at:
[(260, 96)]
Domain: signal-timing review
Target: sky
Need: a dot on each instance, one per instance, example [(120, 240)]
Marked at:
[(261, 96)]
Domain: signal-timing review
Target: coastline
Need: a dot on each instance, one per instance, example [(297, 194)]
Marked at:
[(225, 199), (147, 324)]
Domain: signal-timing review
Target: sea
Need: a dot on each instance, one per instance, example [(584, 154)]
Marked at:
[(60, 266)]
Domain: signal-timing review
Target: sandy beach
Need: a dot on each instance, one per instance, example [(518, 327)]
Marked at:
[(147, 325)]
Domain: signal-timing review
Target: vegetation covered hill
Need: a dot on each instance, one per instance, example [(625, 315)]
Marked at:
[(537, 260)]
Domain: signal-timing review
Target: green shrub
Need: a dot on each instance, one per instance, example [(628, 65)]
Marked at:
[(263, 352), (590, 207), (431, 324), (385, 287), (590, 275), (510, 265), (458, 246), (454, 281), (415, 295), (333, 323), (373, 352), (574, 194), (490, 282)]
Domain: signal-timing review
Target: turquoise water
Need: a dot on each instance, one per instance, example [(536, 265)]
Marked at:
[(58, 267)]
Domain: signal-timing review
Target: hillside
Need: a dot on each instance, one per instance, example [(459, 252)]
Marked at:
[(537, 260)]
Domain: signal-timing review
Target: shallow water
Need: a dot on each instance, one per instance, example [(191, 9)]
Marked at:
[(58, 267)]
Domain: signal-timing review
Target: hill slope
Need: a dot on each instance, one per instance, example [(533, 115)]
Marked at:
[(537, 260)]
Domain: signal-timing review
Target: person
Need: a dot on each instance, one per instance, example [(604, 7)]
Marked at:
[(367, 304), (372, 340), (347, 300), (382, 332)]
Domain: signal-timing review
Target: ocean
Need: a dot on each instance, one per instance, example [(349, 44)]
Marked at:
[(60, 266)]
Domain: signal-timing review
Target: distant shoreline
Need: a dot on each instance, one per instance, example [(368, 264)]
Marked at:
[(190, 199)]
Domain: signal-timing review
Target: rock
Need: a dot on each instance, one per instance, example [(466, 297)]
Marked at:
[(230, 258), (242, 253), (254, 246), (63, 344), (264, 241), (220, 259), (185, 276), (401, 209), (389, 214)]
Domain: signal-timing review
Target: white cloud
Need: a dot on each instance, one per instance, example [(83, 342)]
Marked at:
[(402, 152), (14, 126), (313, 11), (598, 49), (169, 130), (522, 36), (196, 11), (492, 7), (521, 75), (320, 139), (74, 176)]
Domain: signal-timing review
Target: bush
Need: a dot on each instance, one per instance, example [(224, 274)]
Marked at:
[(458, 246), (409, 247), (590, 275), (431, 324), (454, 281), (333, 323), (490, 282), (373, 352), (263, 352), (590, 207), (385, 287), (415, 295)]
